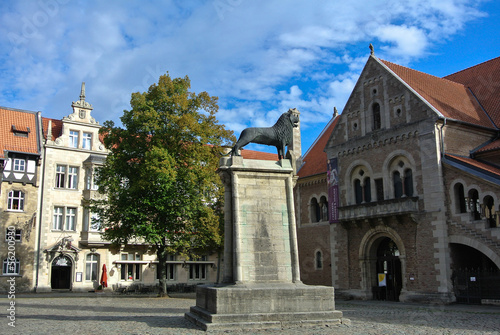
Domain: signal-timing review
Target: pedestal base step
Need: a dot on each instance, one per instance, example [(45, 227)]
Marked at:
[(263, 306), (209, 321)]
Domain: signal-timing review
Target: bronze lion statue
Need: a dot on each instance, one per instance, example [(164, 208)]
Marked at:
[(280, 135)]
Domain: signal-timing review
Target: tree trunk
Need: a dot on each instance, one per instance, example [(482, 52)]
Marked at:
[(162, 271)]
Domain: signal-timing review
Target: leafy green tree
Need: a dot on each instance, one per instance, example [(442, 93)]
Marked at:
[(159, 181)]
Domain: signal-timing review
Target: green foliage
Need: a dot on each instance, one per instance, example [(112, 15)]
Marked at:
[(159, 180)]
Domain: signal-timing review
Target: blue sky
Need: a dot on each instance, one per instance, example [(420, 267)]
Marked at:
[(260, 57)]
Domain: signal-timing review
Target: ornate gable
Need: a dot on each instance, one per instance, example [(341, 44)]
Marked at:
[(81, 110)]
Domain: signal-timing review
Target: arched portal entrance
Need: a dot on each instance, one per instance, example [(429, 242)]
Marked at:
[(475, 276), (62, 267), (382, 252), (388, 270)]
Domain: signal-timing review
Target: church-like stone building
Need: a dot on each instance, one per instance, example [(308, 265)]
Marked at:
[(411, 180)]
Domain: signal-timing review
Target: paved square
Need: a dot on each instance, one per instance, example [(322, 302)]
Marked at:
[(72, 313)]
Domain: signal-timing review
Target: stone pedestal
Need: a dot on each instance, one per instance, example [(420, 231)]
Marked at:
[(261, 284)]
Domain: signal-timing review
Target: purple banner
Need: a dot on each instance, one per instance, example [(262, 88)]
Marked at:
[(333, 191)]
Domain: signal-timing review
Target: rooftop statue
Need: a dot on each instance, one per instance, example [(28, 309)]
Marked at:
[(280, 135)]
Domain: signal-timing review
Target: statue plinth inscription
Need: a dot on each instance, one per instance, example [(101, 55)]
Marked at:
[(261, 283)]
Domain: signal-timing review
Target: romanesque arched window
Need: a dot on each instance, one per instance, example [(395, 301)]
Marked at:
[(459, 195), (361, 185), (408, 183), (319, 260), (323, 204), (488, 211), (315, 210), (367, 190), (377, 122), (402, 177), (358, 191), (473, 205), (398, 184)]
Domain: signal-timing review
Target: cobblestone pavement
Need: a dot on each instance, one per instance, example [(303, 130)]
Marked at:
[(90, 313)]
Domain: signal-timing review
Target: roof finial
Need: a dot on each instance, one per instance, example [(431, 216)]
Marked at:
[(335, 112), (82, 92), (82, 103), (372, 50)]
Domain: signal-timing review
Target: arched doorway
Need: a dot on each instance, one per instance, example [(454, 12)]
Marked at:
[(388, 270), (61, 272), (475, 276)]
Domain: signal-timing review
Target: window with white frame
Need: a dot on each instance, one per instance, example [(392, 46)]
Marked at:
[(60, 176), (198, 271), (15, 233), (57, 222), (70, 219), (15, 201), (11, 266), (91, 267), (19, 165), (87, 141), (64, 217), (90, 183), (73, 177), (131, 271), (95, 223), (73, 138), (67, 177)]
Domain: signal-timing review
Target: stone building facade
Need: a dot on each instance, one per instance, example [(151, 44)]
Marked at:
[(72, 252), (47, 176), (20, 150), (418, 183)]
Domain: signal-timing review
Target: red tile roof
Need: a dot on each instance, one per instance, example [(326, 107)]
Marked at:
[(56, 127), (484, 81), (453, 100), (495, 145), (263, 156), (486, 168), (22, 121), (314, 161)]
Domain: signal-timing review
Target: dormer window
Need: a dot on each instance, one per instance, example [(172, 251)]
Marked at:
[(20, 131)]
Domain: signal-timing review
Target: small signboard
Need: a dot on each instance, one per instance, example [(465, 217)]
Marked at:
[(79, 276), (382, 280)]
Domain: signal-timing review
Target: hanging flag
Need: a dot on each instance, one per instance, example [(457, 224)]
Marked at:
[(333, 190)]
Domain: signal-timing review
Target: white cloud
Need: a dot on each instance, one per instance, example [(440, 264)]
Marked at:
[(259, 57), (403, 41)]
